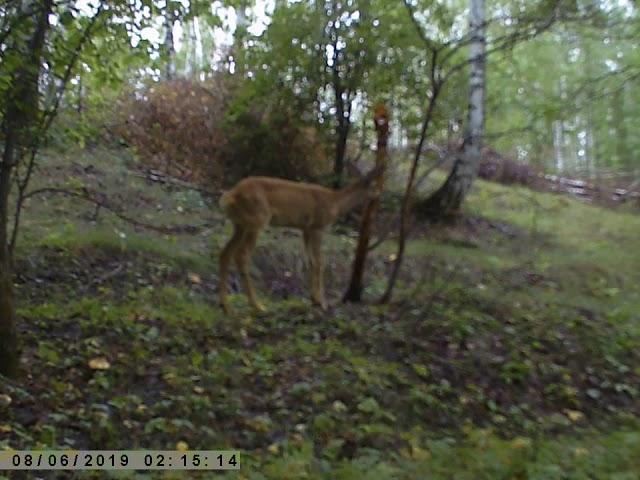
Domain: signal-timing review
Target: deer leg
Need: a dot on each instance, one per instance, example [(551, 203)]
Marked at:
[(225, 259), (243, 256), (306, 235), (313, 243)]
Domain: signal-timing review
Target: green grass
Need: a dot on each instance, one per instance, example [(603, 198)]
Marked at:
[(479, 455), (511, 351)]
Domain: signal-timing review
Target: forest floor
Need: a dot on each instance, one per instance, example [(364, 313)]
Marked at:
[(512, 349)]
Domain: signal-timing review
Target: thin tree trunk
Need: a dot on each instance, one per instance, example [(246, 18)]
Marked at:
[(169, 44), (405, 210), (20, 117), (9, 346), (558, 142), (354, 292), (80, 104), (622, 138), (448, 198), (343, 117), (341, 151)]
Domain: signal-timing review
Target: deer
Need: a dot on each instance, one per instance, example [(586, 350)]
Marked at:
[(257, 202)]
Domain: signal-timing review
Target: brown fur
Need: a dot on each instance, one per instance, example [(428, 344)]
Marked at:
[(256, 202)]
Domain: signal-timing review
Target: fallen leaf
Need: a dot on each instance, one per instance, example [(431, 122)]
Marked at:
[(574, 415), (5, 428), (182, 446), (418, 453), (580, 451), (521, 442), (5, 400), (195, 278), (198, 389), (338, 406), (274, 448), (593, 393), (99, 363), (170, 378)]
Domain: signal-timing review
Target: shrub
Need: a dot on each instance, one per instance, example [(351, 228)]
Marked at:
[(215, 133), (498, 168), (273, 140), (175, 127)]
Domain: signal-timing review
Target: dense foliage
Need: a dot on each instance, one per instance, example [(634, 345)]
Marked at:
[(209, 132)]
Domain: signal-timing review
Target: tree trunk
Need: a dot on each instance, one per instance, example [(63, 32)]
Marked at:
[(9, 347), (622, 138), (448, 198), (354, 292), (80, 104), (169, 45), (341, 151), (343, 114), (19, 120)]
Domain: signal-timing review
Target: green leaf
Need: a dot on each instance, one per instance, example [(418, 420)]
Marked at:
[(369, 405)]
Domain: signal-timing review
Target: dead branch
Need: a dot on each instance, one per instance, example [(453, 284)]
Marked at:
[(95, 198), (163, 178)]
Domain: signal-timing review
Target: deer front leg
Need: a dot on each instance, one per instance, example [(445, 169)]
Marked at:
[(313, 244), (225, 259), (243, 256)]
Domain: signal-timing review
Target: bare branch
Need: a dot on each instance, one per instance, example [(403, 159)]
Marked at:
[(406, 200), (95, 198)]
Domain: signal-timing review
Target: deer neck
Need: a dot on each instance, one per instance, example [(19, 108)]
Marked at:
[(350, 197)]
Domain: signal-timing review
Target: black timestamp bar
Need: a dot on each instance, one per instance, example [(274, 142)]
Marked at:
[(119, 460)]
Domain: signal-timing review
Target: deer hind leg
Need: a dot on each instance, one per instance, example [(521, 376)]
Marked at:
[(228, 252), (242, 257), (313, 244)]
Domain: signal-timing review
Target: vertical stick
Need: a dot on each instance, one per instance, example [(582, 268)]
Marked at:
[(354, 292)]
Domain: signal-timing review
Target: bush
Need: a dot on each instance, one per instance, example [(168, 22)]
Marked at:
[(498, 168), (273, 140), (175, 127), (214, 133)]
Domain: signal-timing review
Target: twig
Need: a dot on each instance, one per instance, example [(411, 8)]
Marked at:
[(382, 238), (158, 177), (104, 277), (93, 197)]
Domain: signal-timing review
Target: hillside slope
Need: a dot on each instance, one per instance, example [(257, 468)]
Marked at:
[(511, 351)]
